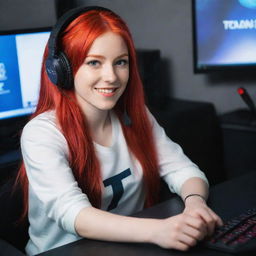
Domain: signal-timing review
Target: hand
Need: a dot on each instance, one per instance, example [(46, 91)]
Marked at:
[(180, 232), (196, 206)]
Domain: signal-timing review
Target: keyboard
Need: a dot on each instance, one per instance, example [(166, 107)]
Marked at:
[(237, 235)]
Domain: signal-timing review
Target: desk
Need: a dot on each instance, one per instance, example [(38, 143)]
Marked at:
[(228, 199)]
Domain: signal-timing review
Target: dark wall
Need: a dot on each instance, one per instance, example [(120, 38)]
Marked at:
[(19, 14)]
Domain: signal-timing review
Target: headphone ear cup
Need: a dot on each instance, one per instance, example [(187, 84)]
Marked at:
[(59, 71), (64, 72)]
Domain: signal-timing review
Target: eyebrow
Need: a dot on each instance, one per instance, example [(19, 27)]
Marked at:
[(102, 57)]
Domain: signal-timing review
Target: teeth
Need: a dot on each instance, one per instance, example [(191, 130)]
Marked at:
[(106, 90)]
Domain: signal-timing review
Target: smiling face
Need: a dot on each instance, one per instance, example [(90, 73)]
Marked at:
[(102, 78)]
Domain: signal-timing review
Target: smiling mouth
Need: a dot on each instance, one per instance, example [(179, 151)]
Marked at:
[(106, 90)]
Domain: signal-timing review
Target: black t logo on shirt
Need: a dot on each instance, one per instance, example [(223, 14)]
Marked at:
[(117, 187)]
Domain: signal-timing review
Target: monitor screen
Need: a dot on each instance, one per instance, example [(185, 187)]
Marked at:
[(21, 55), (224, 34)]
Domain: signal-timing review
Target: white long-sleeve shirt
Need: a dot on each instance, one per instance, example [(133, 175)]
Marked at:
[(54, 196)]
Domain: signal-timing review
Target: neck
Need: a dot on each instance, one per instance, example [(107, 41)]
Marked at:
[(100, 127), (97, 120)]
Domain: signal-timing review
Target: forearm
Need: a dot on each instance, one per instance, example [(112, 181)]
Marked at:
[(195, 186), (97, 224), (178, 232)]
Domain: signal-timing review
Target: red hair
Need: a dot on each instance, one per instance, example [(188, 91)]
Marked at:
[(76, 41)]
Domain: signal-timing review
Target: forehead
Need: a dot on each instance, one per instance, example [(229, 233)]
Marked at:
[(108, 43)]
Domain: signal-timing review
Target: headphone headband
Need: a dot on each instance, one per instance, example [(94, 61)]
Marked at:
[(64, 21)]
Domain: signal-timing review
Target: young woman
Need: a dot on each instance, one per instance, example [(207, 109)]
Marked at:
[(93, 153)]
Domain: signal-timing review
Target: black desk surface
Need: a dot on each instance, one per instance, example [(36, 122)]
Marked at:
[(228, 199)]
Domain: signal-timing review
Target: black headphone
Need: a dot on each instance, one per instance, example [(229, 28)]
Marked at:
[(57, 65)]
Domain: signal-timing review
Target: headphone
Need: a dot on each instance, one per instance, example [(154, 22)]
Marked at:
[(58, 67)]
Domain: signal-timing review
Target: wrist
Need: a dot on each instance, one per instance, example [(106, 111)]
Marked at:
[(154, 230), (194, 197)]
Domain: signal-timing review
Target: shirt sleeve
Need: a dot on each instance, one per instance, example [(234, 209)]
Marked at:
[(44, 150), (175, 167)]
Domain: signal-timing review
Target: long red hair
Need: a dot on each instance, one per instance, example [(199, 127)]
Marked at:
[(75, 41)]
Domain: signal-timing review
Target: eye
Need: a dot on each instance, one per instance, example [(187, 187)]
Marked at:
[(93, 63), (122, 62)]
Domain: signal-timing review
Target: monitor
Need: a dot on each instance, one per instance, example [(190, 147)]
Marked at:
[(21, 55), (224, 33)]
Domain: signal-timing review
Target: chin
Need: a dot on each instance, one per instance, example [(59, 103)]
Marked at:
[(107, 106)]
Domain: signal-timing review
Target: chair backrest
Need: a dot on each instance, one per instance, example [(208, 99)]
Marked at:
[(10, 211), (9, 250)]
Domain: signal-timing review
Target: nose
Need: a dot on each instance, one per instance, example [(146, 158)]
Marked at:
[(109, 73)]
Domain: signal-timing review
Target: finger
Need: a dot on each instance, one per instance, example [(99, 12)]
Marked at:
[(195, 233), (188, 240), (180, 246), (209, 220), (217, 219), (209, 217), (197, 223)]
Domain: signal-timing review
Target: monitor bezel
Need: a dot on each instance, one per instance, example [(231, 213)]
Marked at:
[(213, 68), (25, 31)]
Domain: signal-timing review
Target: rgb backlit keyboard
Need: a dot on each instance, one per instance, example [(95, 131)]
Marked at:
[(237, 235)]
